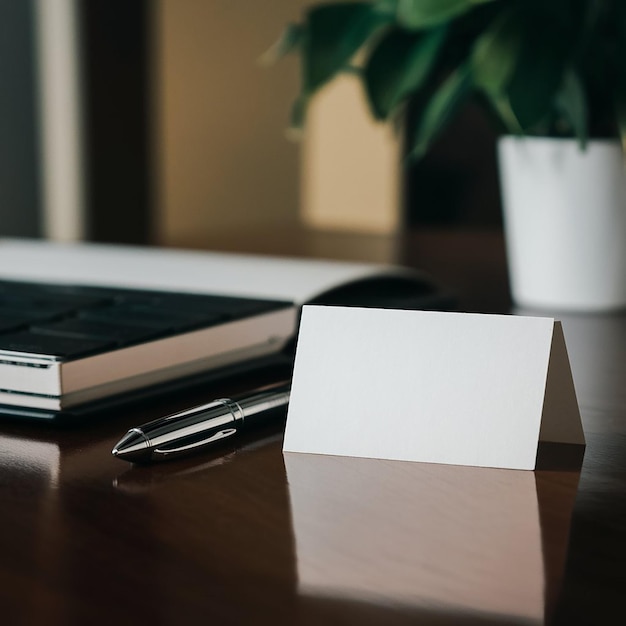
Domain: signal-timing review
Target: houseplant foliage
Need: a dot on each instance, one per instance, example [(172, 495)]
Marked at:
[(552, 68)]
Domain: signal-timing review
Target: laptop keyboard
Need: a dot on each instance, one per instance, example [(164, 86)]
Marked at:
[(70, 322)]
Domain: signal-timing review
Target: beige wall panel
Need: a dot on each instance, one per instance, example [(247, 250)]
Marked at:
[(224, 162), (351, 164)]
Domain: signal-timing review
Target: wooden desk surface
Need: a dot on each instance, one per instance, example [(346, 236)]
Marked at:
[(247, 536)]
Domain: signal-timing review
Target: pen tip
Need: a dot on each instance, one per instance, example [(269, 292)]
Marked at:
[(133, 446)]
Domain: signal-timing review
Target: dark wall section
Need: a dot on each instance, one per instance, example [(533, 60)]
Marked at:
[(117, 112), (456, 183), (19, 160)]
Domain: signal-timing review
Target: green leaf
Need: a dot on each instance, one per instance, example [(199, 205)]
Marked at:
[(442, 107), (298, 118), (503, 108), (288, 42), (619, 88), (388, 7), (334, 33), (572, 102), (495, 54), (591, 18), (398, 66), (538, 72), (620, 114), (418, 14), (494, 59)]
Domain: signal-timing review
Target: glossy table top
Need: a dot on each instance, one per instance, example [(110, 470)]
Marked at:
[(247, 535)]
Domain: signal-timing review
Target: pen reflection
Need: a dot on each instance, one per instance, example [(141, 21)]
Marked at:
[(456, 543), (143, 478)]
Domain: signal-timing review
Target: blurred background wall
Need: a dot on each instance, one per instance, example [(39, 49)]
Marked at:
[(19, 162), (224, 162), (165, 129)]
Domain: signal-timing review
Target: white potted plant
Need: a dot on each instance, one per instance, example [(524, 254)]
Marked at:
[(553, 76)]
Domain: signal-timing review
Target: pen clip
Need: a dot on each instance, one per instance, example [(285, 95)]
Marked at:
[(222, 434)]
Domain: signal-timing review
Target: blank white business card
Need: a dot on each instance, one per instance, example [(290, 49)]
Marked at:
[(456, 388)]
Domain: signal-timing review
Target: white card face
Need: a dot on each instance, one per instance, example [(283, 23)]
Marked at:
[(456, 388)]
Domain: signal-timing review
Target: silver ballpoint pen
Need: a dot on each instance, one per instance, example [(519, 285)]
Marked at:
[(200, 427)]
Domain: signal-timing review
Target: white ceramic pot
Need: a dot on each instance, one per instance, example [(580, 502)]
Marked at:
[(565, 223)]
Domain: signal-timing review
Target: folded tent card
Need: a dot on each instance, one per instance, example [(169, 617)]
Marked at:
[(454, 388)]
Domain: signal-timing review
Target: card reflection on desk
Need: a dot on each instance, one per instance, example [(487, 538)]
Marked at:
[(450, 539)]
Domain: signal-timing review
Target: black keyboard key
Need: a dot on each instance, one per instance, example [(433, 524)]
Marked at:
[(121, 334), (190, 304), (53, 345), (34, 313), (49, 298), (70, 321), (236, 307), (10, 322), (150, 318)]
